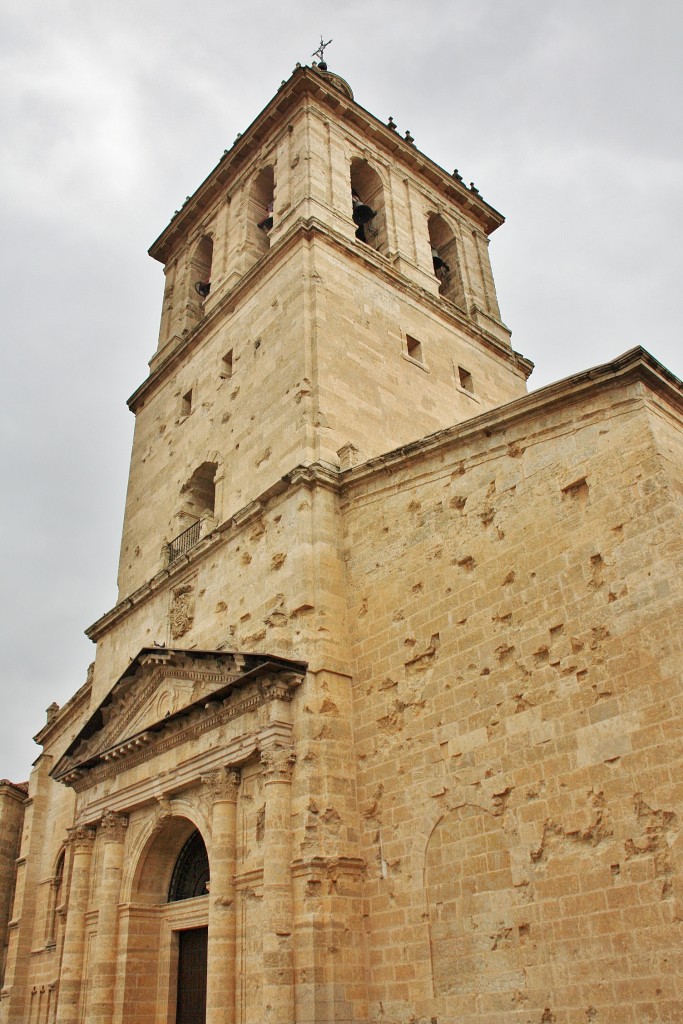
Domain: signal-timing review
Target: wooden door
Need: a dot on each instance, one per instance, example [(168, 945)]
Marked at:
[(192, 950)]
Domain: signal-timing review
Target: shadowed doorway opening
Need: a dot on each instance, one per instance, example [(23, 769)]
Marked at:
[(192, 953)]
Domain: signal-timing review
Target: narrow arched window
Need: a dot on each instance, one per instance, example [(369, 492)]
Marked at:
[(261, 211), (191, 872), (367, 205), (445, 261), (55, 901), (200, 269)]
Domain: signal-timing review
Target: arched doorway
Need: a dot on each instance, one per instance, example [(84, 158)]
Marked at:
[(166, 927)]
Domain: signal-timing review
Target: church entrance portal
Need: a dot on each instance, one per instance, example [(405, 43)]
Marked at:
[(191, 1002)]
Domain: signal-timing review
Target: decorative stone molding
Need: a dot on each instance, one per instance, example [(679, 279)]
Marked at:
[(280, 687), (278, 763), (81, 837), (222, 783), (198, 691), (114, 826)]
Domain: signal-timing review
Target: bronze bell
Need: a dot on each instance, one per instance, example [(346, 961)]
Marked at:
[(202, 288), (266, 224), (363, 214), (439, 263)]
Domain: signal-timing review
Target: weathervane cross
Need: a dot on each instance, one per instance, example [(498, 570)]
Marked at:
[(320, 52)]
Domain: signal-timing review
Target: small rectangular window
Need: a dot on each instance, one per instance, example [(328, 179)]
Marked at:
[(226, 365), (186, 403), (414, 349), (465, 379)]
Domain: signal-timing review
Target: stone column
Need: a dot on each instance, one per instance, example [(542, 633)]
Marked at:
[(105, 953), (81, 840), (223, 785), (278, 909)]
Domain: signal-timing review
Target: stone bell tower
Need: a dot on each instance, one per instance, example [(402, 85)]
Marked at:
[(328, 298), (383, 725), (292, 334)]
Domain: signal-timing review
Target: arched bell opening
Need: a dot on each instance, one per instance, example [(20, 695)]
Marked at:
[(200, 269), (445, 261), (260, 211), (367, 205)]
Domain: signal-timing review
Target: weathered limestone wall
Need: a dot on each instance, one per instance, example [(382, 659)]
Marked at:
[(273, 582), (43, 873), (370, 391), (252, 424), (12, 800), (517, 601)]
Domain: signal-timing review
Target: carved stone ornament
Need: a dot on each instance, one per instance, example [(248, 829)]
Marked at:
[(277, 763), (81, 837), (114, 826), (222, 783), (164, 814), (182, 611)]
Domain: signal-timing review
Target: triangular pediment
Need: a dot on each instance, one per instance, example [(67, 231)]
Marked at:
[(159, 688)]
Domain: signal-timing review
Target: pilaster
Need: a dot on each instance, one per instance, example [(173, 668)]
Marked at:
[(223, 785), (278, 909), (82, 841), (113, 830)]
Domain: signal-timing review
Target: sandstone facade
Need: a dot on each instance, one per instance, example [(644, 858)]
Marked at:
[(396, 662)]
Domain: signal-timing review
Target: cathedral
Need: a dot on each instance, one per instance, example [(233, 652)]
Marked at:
[(385, 726)]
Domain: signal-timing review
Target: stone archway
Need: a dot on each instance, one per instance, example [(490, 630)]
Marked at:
[(155, 917)]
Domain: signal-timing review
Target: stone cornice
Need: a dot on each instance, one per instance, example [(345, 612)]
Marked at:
[(328, 866), (635, 364), (302, 867), (135, 792), (106, 745), (304, 82), (14, 790)]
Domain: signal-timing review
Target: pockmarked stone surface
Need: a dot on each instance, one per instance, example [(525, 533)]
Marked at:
[(397, 647)]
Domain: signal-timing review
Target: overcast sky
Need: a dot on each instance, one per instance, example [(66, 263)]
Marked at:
[(565, 115)]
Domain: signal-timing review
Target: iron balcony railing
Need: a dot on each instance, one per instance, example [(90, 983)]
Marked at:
[(184, 541)]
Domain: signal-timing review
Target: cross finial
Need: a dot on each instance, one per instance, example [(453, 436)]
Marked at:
[(320, 52)]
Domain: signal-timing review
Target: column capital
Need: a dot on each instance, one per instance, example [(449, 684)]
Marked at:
[(81, 837), (277, 763), (222, 783), (114, 826)]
